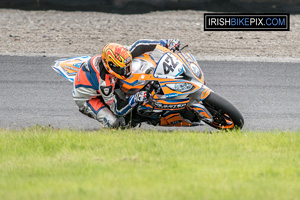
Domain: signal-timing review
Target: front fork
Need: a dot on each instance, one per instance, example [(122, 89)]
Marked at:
[(196, 106)]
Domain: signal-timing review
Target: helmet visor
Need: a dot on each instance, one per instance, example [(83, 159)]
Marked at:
[(123, 71)]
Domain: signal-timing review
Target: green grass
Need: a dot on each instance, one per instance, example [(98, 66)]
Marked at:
[(42, 163)]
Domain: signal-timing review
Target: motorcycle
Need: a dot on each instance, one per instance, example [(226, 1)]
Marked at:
[(179, 96)]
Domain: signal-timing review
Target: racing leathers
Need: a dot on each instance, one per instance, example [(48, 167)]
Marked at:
[(94, 87)]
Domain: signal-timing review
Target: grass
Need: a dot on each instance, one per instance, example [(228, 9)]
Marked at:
[(43, 163)]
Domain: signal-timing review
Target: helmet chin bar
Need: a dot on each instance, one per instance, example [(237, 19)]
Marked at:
[(127, 75), (121, 71)]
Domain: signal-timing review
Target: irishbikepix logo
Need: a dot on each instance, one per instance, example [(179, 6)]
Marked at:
[(246, 22)]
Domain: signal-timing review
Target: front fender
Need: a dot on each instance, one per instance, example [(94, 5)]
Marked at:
[(200, 95), (204, 93), (196, 106)]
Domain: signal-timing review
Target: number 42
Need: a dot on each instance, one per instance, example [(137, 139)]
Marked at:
[(169, 65)]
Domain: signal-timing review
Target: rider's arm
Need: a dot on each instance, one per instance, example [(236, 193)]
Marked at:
[(121, 107), (142, 46)]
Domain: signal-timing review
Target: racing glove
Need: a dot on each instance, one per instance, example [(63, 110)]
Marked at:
[(172, 44), (138, 98)]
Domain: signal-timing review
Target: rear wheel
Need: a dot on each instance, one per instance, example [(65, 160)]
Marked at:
[(225, 115)]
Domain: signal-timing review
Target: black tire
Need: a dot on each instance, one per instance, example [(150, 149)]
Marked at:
[(226, 116)]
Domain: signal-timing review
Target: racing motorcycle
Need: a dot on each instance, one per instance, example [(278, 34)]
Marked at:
[(179, 96)]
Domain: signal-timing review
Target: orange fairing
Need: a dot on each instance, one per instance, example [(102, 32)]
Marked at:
[(174, 120), (164, 122), (138, 80), (147, 58), (135, 82)]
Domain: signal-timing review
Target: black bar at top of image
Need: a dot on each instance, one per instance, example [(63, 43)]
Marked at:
[(246, 22)]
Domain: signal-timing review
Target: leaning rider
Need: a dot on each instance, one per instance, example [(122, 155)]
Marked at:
[(94, 83)]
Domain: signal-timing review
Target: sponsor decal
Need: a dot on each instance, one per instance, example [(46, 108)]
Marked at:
[(176, 122), (247, 22), (169, 106), (171, 95), (106, 90)]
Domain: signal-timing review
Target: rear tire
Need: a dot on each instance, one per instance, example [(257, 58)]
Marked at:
[(226, 116)]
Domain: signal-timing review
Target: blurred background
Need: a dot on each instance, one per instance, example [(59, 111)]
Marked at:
[(143, 6)]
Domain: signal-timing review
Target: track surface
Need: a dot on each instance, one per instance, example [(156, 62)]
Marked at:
[(267, 94)]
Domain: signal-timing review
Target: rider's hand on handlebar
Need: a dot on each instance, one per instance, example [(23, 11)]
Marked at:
[(141, 97), (172, 44)]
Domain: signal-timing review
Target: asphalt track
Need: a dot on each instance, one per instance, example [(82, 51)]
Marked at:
[(267, 94)]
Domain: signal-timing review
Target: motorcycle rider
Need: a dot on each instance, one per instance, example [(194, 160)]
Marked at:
[(95, 81)]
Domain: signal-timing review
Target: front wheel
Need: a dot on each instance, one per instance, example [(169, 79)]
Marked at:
[(225, 115)]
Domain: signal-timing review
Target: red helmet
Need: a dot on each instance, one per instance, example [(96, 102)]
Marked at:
[(117, 60)]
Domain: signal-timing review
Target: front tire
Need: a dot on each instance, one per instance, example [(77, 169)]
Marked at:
[(225, 115)]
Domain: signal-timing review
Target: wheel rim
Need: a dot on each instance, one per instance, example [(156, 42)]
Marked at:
[(221, 119)]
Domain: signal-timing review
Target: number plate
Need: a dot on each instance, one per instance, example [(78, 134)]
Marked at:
[(168, 67)]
